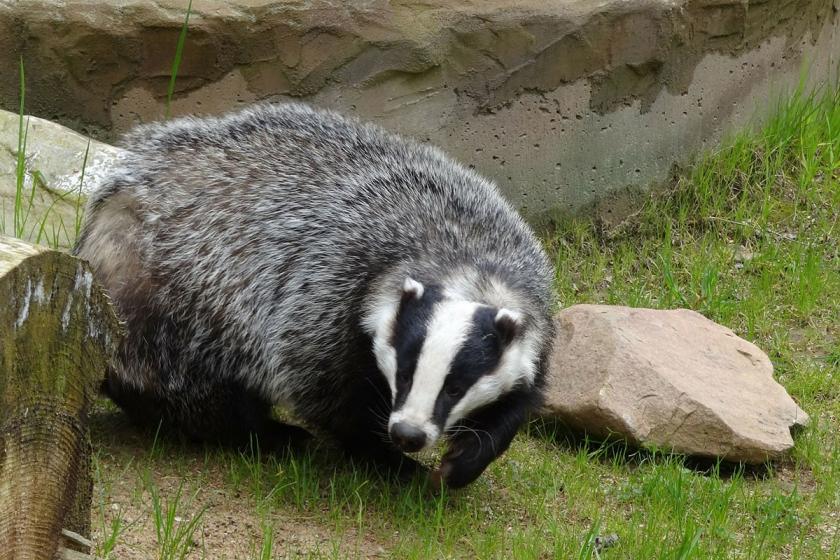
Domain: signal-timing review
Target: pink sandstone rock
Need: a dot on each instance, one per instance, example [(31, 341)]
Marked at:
[(668, 379)]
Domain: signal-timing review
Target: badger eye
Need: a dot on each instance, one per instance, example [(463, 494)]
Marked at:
[(452, 391)]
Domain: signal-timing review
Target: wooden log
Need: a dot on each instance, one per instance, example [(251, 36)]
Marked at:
[(57, 332)]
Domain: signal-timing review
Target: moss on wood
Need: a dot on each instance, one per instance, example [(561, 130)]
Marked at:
[(57, 332)]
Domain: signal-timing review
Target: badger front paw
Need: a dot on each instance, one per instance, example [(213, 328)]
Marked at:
[(467, 456), (480, 438)]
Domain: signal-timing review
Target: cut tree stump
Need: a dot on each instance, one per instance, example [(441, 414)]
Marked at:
[(57, 332)]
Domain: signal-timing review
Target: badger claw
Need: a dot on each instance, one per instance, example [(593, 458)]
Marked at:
[(458, 468), (438, 477)]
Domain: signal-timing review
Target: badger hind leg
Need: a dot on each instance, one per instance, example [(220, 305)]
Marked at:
[(225, 412)]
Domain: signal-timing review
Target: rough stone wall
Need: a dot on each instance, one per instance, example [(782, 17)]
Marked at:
[(562, 102)]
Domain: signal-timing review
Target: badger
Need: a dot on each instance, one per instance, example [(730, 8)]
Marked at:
[(288, 256)]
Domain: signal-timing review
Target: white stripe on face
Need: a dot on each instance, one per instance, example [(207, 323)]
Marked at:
[(518, 363), (447, 331), (380, 325)]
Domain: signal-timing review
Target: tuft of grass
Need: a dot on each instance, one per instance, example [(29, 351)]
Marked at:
[(174, 533), (21, 208), (267, 542), (109, 529), (48, 227)]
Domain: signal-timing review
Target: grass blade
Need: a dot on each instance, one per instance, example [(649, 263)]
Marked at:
[(176, 62), (20, 167), (79, 207)]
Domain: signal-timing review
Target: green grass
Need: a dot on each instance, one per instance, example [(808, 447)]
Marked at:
[(176, 60), (174, 535), (109, 530), (749, 238), (35, 207), (49, 227), (22, 209)]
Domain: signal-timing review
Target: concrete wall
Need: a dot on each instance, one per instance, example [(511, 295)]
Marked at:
[(566, 104)]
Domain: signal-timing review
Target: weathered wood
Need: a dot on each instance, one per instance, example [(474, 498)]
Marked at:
[(57, 332)]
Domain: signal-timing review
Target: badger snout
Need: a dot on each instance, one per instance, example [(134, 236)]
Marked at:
[(407, 437)]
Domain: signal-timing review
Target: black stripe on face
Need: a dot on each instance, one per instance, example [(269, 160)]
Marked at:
[(479, 355), (410, 328)]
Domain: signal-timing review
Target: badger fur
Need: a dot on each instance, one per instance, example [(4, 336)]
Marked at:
[(284, 255)]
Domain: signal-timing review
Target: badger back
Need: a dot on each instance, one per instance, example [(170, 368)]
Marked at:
[(274, 227)]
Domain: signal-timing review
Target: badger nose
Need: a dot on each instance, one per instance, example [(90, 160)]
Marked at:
[(407, 437)]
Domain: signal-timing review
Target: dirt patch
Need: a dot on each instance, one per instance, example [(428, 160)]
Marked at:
[(231, 524)]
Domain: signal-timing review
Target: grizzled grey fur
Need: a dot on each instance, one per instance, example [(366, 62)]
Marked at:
[(244, 253)]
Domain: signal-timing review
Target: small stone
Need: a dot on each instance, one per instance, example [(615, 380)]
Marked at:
[(605, 541), (742, 255), (668, 379)]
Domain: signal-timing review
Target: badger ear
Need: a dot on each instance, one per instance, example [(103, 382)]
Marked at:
[(411, 289), (508, 325)]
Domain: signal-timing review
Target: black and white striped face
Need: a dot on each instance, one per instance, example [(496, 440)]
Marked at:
[(444, 358)]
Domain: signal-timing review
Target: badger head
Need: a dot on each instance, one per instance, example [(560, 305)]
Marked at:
[(445, 357)]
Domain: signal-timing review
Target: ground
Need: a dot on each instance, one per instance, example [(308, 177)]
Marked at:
[(748, 237)]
